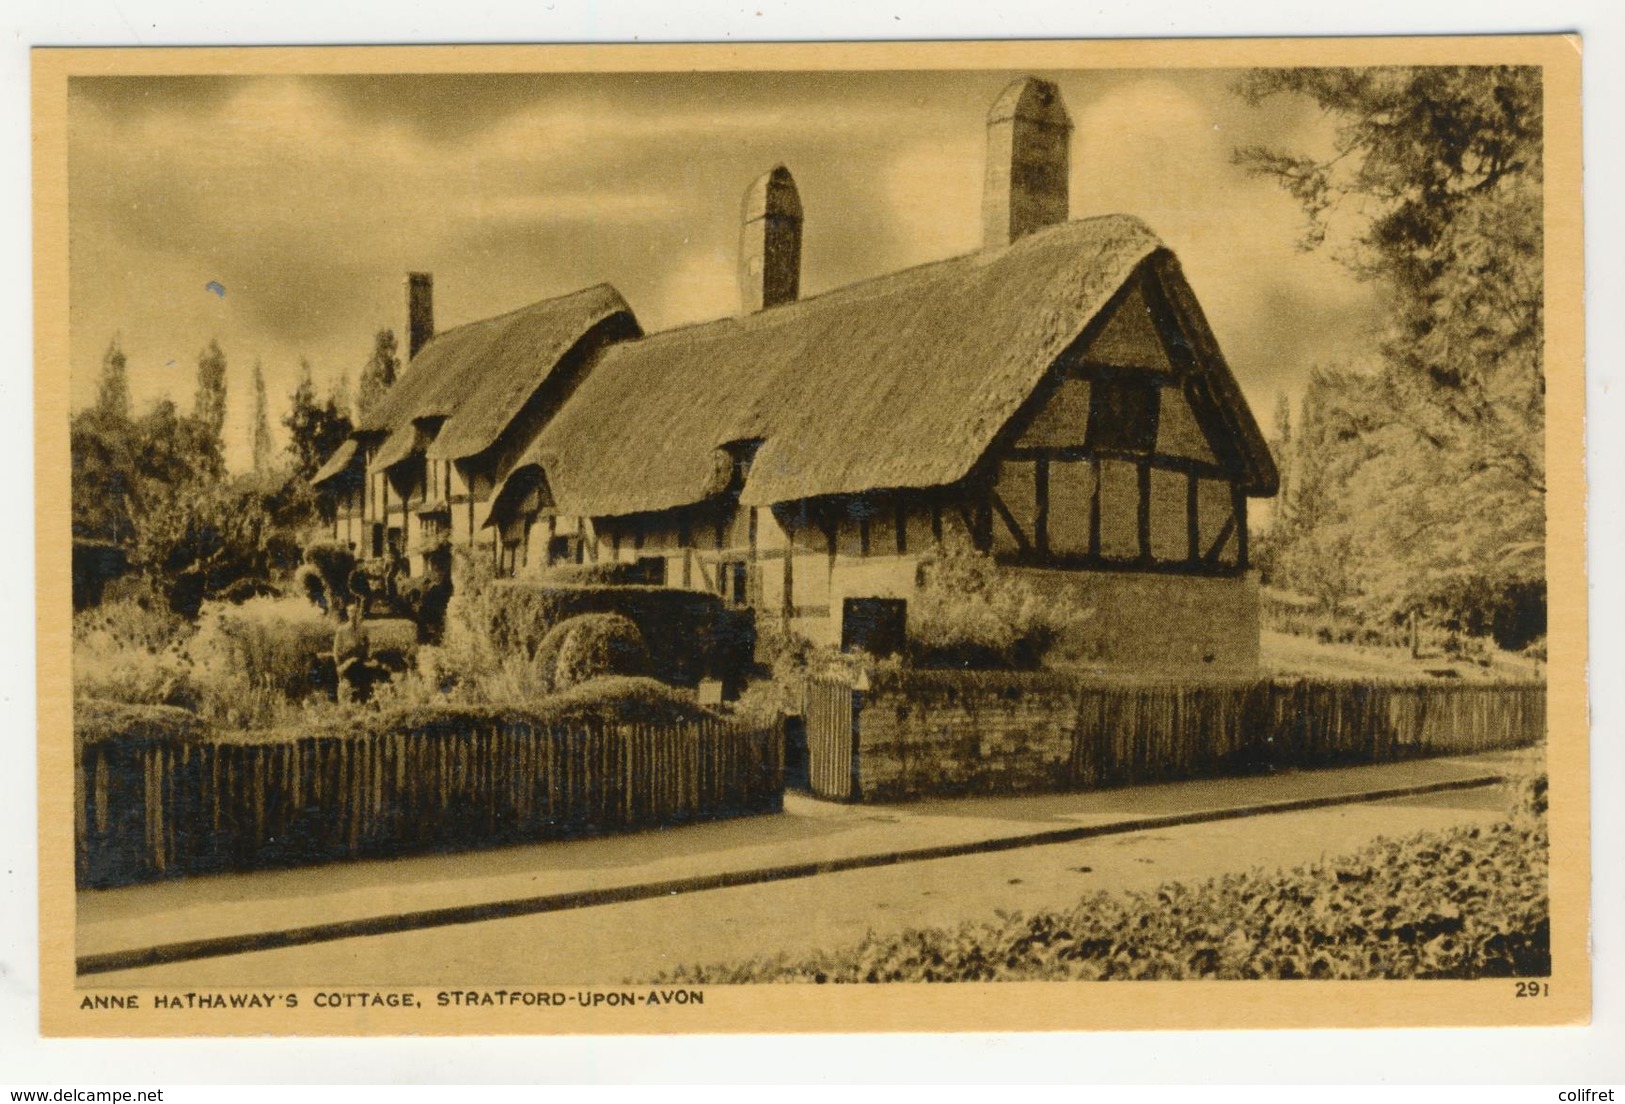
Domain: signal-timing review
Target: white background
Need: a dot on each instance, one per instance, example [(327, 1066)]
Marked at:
[(1569, 1056)]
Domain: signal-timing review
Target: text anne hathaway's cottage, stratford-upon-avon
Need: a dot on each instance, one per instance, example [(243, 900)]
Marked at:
[(1057, 399)]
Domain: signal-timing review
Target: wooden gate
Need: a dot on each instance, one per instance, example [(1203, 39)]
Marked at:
[(833, 707)]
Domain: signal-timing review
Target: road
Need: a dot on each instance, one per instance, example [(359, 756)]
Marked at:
[(611, 944)]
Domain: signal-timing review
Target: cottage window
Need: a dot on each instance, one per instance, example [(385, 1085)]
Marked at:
[(563, 550), (878, 626), (651, 570), (734, 582), (1123, 416)]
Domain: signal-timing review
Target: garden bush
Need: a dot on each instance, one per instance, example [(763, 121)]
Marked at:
[(594, 644), (96, 720), (596, 574), (424, 599), (244, 589), (325, 576), (255, 659), (619, 699), (967, 613), (625, 699), (133, 650), (689, 634), (1463, 904)]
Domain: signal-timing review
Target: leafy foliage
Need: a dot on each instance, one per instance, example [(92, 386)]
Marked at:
[(378, 376), (261, 444), (596, 574), (125, 470), (133, 650), (259, 661), (209, 401), (968, 613), (208, 536), (1418, 482), (327, 580), (1462, 904), (113, 389), (315, 428)]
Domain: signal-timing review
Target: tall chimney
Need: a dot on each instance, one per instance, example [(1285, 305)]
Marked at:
[(1028, 162), (419, 311), (770, 242)]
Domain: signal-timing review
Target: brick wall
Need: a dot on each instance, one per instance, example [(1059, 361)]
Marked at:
[(948, 737)]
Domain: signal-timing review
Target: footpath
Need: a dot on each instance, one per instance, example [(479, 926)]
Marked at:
[(203, 917)]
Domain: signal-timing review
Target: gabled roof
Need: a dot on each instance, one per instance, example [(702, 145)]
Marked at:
[(336, 463), (901, 381), (477, 377)]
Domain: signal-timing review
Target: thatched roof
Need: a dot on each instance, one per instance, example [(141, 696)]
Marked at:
[(478, 376), (335, 464), (901, 381)]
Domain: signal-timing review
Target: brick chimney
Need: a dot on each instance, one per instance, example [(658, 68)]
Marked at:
[(419, 311), (770, 242), (1029, 136)]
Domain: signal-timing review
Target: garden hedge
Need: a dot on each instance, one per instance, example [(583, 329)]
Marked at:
[(1461, 904), (691, 635)]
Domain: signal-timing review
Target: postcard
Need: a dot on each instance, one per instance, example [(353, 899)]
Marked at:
[(824, 537)]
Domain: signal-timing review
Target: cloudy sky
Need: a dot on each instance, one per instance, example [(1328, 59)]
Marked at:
[(307, 199)]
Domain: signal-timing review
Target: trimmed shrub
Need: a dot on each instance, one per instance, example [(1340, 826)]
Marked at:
[(595, 644), (425, 598), (244, 589), (597, 574), (625, 699), (690, 635)]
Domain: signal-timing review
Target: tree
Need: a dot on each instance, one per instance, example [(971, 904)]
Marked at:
[(315, 428), (113, 390), (379, 374), (262, 422), (209, 402), (1433, 192)]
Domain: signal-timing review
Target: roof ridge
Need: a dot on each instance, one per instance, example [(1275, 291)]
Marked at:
[(602, 285), (787, 311)]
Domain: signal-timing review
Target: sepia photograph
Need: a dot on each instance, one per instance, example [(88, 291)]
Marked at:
[(635, 539)]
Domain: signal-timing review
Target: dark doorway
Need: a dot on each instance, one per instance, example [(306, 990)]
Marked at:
[(878, 626), (797, 768)]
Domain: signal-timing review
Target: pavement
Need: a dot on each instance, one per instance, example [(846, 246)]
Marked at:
[(204, 917)]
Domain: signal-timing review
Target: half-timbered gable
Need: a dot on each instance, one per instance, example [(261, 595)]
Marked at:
[(1123, 455)]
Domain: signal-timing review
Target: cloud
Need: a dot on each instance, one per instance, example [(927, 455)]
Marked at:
[(933, 199), (702, 285), (309, 198), (130, 97)]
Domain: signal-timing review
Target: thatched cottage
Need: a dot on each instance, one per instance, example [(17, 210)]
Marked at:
[(1057, 399)]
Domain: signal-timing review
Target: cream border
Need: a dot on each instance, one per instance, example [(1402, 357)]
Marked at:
[(1023, 1006)]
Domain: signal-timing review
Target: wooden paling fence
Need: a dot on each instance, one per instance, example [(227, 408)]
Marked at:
[(148, 809), (1126, 735), (832, 768)]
